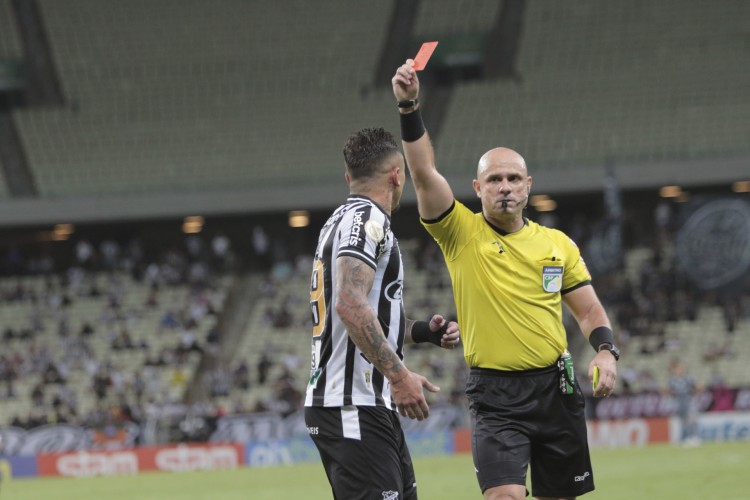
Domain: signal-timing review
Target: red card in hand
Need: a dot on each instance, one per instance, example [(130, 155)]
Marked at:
[(424, 54)]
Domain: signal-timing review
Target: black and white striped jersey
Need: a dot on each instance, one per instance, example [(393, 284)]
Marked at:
[(340, 373)]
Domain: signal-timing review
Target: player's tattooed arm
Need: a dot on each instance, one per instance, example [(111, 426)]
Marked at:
[(354, 280)]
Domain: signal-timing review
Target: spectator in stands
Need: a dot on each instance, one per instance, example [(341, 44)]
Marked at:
[(109, 249), (37, 394), (87, 329), (101, 383), (219, 382), (241, 376), (264, 367), (286, 398), (52, 374), (682, 386), (84, 253), (123, 340), (358, 375), (221, 251), (509, 303), (187, 344), (194, 246), (261, 249), (7, 376), (137, 384)]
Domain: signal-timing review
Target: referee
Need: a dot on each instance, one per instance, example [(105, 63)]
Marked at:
[(358, 380), (510, 277)]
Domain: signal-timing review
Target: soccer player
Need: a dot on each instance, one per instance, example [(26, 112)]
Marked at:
[(358, 380), (510, 276)]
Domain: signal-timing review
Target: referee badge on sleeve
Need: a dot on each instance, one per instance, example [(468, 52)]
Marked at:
[(552, 278)]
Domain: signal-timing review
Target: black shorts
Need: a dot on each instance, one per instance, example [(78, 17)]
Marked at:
[(364, 452), (519, 418)]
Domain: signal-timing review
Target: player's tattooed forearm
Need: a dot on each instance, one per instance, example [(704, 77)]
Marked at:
[(386, 359), (354, 282)]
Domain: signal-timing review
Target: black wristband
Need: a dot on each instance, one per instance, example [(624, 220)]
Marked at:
[(421, 332), (601, 335), (412, 126), (409, 103)]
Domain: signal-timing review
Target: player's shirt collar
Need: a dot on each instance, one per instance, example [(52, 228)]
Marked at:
[(352, 197)]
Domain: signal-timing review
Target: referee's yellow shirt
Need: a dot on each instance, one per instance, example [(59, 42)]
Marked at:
[(508, 288)]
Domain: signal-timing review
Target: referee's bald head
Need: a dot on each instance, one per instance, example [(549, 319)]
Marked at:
[(500, 156)]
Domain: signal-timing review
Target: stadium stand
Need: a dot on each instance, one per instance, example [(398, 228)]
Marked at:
[(670, 71), (202, 98), (9, 50), (9, 44), (443, 17), (3, 187), (77, 345), (196, 96)]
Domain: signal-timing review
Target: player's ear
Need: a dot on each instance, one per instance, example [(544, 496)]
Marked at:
[(348, 179), (475, 183), (395, 177)]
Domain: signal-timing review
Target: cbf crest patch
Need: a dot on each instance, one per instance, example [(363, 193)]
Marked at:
[(552, 278)]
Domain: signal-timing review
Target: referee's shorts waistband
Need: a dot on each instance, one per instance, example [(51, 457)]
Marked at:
[(491, 372)]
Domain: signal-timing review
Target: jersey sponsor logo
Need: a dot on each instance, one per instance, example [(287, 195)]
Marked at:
[(583, 477), (357, 224), (552, 278)]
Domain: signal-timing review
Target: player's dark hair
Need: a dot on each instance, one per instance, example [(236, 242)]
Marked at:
[(366, 150)]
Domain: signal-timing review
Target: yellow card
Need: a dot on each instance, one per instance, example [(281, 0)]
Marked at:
[(595, 382)]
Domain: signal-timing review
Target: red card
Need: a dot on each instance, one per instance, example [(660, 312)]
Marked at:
[(424, 54)]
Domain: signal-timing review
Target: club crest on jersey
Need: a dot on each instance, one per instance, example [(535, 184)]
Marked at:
[(552, 278)]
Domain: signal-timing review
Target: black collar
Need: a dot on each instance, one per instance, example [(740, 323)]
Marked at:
[(363, 197), (503, 232)]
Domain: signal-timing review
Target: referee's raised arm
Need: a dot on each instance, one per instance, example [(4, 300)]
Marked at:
[(434, 194)]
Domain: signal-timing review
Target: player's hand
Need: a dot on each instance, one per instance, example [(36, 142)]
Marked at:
[(409, 398), (405, 82), (449, 334), (607, 373)]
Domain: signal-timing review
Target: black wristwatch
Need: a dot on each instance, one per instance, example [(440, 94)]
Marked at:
[(611, 348), (409, 103)]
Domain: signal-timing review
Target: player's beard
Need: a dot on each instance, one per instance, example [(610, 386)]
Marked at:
[(395, 206)]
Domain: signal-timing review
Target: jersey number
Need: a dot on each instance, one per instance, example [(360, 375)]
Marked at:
[(317, 299)]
